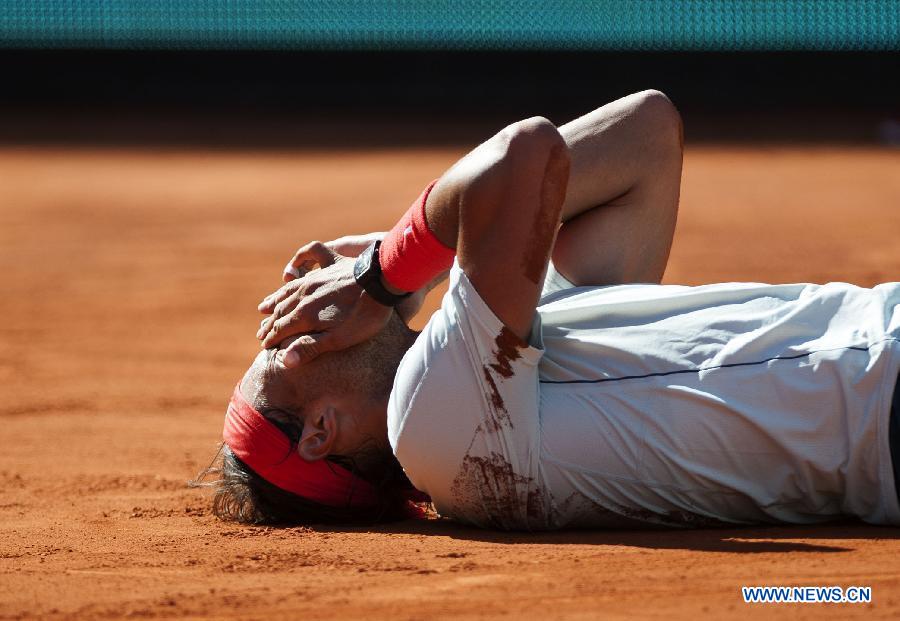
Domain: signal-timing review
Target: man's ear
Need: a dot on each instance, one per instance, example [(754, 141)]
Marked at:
[(319, 433)]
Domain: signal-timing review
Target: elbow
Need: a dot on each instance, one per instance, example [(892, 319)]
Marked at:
[(534, 136), (532, 143), (661, 119), (526, 154)]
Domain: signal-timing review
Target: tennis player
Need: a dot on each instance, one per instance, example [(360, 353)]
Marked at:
[(546, 392)]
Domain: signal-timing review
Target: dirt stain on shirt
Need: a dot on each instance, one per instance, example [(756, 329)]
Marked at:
[(499, 414), (509, 348), (489, 492)]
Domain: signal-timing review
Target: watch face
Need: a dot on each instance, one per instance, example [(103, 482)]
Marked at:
[(363, 263)]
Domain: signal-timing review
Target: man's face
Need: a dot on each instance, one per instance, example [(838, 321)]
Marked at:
[(282, 394)]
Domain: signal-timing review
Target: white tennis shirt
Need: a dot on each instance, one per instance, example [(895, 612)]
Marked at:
[(683, 406)]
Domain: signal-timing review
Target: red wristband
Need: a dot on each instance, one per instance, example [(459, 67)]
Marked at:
[(411, 255)]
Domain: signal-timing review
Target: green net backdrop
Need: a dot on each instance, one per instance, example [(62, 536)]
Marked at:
[(715, 25)]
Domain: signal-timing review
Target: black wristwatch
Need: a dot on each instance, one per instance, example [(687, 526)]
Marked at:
[(367, 273)]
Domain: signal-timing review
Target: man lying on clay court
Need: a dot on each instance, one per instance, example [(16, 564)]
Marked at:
[(546, 392)]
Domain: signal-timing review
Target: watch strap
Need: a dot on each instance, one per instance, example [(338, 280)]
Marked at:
[(367, 272)]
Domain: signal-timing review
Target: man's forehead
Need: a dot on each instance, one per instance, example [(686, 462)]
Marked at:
[(262, 381), (269, 384)]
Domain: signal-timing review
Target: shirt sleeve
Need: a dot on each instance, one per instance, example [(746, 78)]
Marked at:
[(463, 417), (554, 282)]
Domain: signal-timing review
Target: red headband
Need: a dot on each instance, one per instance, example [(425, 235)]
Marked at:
[(269, 453)]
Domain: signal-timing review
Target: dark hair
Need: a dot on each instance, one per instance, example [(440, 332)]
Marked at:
[(243, 496)]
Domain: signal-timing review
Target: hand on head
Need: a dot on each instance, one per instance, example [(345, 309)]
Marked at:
[(325, 306)]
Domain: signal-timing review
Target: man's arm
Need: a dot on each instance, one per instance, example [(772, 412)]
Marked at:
[(499, 207), (350, 246), (492, 206), (622, 201), (618, 215)]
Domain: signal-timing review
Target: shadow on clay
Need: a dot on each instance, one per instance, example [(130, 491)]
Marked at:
[(834, 537)]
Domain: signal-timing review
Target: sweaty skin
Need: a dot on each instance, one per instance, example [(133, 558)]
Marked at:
[(543, 234), (617, 173), (604, 187)]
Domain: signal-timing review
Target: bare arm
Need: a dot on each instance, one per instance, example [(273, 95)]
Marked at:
[(501, 206), (350, 246), (622, 201)]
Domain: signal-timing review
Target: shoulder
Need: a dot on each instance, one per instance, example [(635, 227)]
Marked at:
[(461, 392), (437, 401)]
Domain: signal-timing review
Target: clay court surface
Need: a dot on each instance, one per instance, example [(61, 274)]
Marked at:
[(129, 283)]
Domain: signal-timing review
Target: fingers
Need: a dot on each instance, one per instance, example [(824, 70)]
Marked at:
[(304, 259), (276, 297), (275, 331), (275, 328), (290, 272), (307, 347), (293, 316), (277, 305), (272, 300), (353, 245), (267, 304)]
